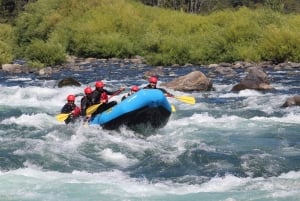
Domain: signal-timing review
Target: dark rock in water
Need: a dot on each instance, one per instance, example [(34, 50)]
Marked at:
[(292, 101), (68, 81), (256, 79), (158, 71)]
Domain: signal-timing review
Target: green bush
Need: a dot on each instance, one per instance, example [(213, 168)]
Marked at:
[(101, 46), (6, 43), (280, 45), (49, 29), (46, 53), (5, 53)]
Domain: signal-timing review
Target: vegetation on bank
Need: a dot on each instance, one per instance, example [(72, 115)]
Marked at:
[(48, 30), (209, 6)]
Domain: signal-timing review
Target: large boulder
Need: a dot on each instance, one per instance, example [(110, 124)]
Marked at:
[(68, 81), (256, 79), (194, 81), (12, 68), (158, 71), (292, 101)]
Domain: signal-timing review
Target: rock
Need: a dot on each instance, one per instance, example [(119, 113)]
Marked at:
[(194, 81), (68, 81), (292, 101), (12, 68), (45, 71), (227, 71), (158, 71), (256, 79)]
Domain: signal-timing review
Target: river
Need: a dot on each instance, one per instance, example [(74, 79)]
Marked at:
[(229, 146)]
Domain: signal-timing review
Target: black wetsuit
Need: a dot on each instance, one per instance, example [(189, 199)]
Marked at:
[(67, 108), (96, 96), (86, 102)]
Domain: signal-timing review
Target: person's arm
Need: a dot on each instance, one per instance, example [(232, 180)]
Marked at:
[(147, 87), (96, 97), (83, 106), (166, 92), (114, 92)]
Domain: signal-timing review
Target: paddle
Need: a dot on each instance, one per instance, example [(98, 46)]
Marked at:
[(62, 116), (186, 99), (173, 108), (90, 110)]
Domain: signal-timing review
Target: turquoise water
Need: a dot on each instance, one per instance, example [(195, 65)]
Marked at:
[(227, 147)]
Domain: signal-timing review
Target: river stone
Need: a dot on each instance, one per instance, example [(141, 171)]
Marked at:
[(256, 79), (292, 101), (68, 81), (194, 81)]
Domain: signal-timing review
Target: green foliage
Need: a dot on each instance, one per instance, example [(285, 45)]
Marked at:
[(101, 46), (50, 29), (6, 43), (46, 53), (35, 64), (170, 51), (5, 53), (280, 45)]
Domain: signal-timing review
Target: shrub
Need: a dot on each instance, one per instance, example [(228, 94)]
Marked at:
[(280, 45), (6, 43), (47, 53)]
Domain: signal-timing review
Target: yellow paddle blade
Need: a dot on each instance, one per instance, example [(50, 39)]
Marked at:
[(186, 99), (173, 108), (62, 116), (90, 110)]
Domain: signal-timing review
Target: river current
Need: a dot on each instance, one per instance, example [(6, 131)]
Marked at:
[(229, 146)]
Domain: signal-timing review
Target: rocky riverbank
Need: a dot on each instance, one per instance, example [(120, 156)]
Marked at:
[(256, 78), (79, 64)]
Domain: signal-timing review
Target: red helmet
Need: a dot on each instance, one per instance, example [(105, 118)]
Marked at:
[(99, 84), (134, 88), (88, 90), (153, 79), (71, 98)]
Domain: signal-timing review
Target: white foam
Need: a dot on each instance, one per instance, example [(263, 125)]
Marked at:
[(242, 93), (116, 183), (117, 158), (289, 118), (39, 121)]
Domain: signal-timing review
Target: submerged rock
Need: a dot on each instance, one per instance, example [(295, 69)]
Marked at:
[(256, 79), (68, 81), (292, 101)]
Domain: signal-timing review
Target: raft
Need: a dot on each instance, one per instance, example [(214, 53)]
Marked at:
[(147, 107)]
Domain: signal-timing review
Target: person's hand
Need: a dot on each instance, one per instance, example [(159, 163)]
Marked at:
[(87, 118), (103, 100), (169, 95), (122, 88)]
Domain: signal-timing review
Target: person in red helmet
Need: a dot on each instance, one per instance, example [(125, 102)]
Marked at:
[(152, 85), (71, 107), (86, 101), (99, 93), (104, 104), (133, 90), (99, 89)]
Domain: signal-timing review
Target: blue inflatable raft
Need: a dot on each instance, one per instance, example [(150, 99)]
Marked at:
[(147, 107)]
